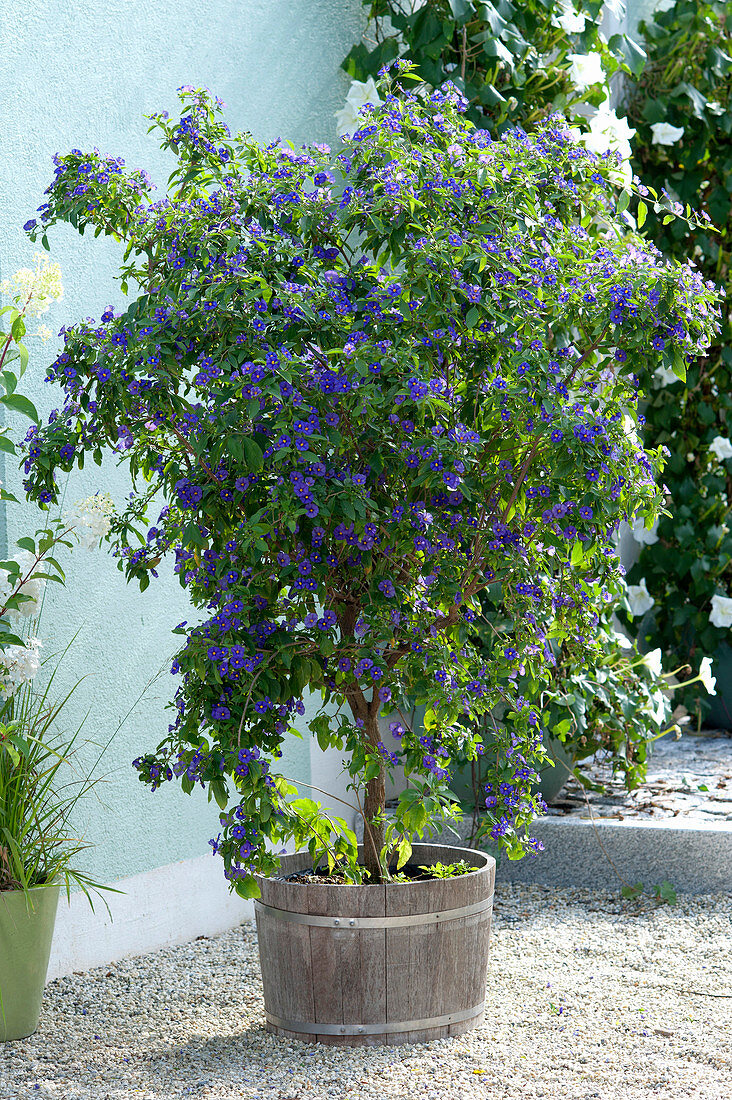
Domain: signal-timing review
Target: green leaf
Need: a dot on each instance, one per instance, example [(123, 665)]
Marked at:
[(678, 366), (633, 55), (642, 212), (632, 891), (697, 100), (217, 787), (665, 892), (247, 887), (578, 554), (460, 10), (234, 447), (9, 380), (252, 453), (404, 851), (20, 404)]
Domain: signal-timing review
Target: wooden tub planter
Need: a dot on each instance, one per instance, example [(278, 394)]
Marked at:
[(376, 965)]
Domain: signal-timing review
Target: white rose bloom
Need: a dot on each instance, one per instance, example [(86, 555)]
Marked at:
[(666, 134), (705, 675), (585, 70), (721, 615), (642, 535), (721, 447), (639, 598), (652, 661), (360, 93)]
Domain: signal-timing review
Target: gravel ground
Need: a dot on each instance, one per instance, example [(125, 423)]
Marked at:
[(588, 997)]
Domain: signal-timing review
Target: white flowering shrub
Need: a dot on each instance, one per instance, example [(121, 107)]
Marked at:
[(24, 576)]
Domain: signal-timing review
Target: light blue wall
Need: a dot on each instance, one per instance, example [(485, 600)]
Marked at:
[(83, 74)]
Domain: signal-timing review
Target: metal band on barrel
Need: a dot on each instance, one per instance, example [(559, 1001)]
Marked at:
[(373, 922), (299, 1027)]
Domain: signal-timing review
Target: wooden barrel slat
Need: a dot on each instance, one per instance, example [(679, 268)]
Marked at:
[(286, 948), (335, 975)]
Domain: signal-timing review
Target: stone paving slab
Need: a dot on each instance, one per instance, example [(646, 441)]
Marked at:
[(688, 779), (695, 859)]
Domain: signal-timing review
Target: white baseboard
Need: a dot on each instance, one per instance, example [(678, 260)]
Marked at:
[(172, 904)]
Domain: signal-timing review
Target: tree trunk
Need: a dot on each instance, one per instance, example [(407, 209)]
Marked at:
[(374, 810)]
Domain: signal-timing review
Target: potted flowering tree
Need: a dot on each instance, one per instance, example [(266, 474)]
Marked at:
[(368, 385)]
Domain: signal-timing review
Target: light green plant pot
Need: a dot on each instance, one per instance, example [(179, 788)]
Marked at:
[(26, 931)]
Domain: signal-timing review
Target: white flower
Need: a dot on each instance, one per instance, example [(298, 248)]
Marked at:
[(616, 129), (665, 376), (90, 519), (721, 447), (652, 661), (721, 615), (617, 7), (38, 286), (658, 709), (585, 70), (360, 93), (642, 534), (666, 134), (570, 20), (664, 5), (608, 132), (621, 640), (705, 675), (631, 429), (18, 665), (639, 598)]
